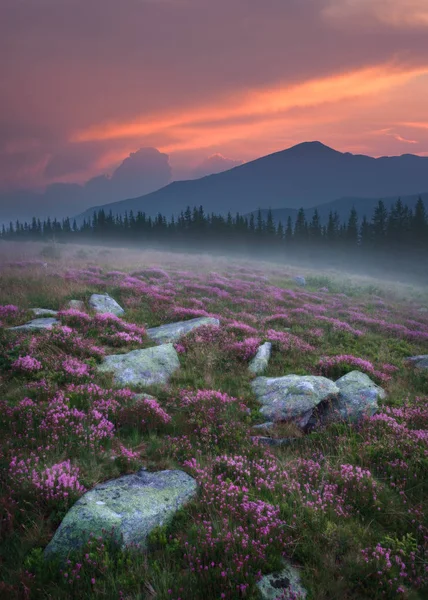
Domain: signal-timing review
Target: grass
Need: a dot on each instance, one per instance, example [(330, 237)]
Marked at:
[(347, 505)]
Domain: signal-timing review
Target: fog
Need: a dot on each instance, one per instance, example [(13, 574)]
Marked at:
[(400, 276)]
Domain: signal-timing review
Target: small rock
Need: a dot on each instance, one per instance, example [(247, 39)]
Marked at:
[(292, 397), (261, 360), (288, 580), (76, 305), (300, 280), (171, 332), (142, 367), (103, 303), (46, 323), (268, 425), (133, 504), (423, 309), (44, 312), (420, 362), (273, 442)]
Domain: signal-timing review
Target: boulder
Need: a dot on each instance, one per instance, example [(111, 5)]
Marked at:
[(43, 312), (423, 309), (420, 362), (300, 280), (283, 584), (76, 304), (142, 367), (132, 504), (358, 397), (171, 332), (261, 360), (45, 323), (103, 303), (292, 397)]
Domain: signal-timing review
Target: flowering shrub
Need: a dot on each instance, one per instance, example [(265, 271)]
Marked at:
[(27, 364), (244, 350), (144, 413), (336, 366), (286, 341), (106, 327), (212, 419), (47, 485), (396, 568), (75, 367)]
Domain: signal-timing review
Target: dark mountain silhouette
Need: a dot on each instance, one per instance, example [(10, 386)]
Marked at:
[(305, 175), (343, 206)]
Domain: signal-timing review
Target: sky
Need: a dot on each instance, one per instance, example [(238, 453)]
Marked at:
[(85, 83)]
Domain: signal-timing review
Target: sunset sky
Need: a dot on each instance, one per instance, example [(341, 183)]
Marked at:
[(83, 83)]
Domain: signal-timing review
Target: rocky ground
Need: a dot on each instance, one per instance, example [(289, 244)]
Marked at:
[(182, 427)]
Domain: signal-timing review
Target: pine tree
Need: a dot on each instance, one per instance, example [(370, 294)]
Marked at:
[(379, 224), (352, 228), (300, 227), (289, 230), (270, 226)]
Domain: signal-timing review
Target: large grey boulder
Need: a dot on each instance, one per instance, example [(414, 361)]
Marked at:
[(45, 323), (292, 397), (358, 397), (283, 584), (261, 360), (142, 367), (132, 504), (420, 362), (103, 303), (171, 332), (43, 312)]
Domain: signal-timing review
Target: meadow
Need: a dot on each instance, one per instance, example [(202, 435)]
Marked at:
[(346, 504)]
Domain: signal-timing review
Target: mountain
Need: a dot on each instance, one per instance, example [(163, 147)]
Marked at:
[(305, 175), (343, 206)]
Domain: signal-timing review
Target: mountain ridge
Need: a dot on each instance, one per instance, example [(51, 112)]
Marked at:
[(305, 175)]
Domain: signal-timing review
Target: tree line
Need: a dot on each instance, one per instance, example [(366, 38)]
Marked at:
[(397, 230)]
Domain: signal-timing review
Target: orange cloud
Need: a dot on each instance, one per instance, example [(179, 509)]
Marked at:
[(395, 13), (417, 124), (268, 108)]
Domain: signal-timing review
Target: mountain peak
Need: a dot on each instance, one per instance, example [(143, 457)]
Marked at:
[(314, 147)]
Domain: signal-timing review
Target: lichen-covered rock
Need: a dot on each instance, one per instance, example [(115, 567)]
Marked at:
[(76, 304), (274, 586), (142, 367), (261, 360), (44, 323), (103, 303), (420, 362), (358, 397), (132, 504), (171, 332), (43, 312), (292, 397)]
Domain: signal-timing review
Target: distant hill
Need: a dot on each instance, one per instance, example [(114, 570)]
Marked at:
[(343, 206), (306, 175)]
